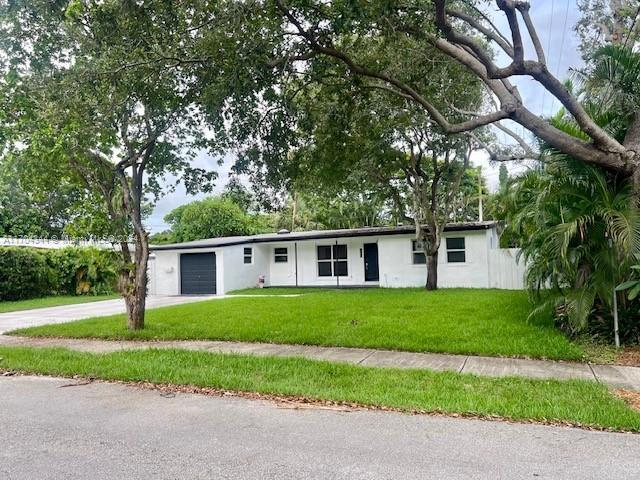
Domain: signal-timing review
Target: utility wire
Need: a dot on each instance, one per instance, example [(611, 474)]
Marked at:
[(544, 90)]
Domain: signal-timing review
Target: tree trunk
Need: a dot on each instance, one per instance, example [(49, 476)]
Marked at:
[(133, 282), (432, 271)]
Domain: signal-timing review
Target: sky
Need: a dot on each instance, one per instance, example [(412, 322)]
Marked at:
[(554, 20)]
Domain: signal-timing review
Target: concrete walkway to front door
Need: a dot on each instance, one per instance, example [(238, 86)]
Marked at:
[(613, 375)]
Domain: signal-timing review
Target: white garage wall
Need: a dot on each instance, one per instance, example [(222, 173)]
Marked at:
[(167, 270)]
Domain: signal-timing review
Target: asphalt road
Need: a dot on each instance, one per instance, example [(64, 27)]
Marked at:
[(105, 431)]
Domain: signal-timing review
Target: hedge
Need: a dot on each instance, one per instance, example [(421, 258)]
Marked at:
[(30, 272)]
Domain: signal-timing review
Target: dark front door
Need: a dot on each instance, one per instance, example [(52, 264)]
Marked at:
[(371, 272), (198, 273)]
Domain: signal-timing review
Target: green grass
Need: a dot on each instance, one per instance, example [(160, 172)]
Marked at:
[(576, 401), (53, 301), (462, 321), (282, 291)]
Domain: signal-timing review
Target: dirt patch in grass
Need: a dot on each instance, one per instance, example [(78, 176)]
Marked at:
[(631, 397), (629, 356)]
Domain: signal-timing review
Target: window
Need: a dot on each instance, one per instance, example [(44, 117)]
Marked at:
[(248, 255), (455, 250), (281, 255), (418, 255), (332, 261)]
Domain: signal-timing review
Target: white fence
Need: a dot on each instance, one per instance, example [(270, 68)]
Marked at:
[(505, 271), (53, 243)]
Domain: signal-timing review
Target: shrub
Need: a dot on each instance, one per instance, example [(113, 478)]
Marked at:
[(82, 271), (25, 273), (30, 272)]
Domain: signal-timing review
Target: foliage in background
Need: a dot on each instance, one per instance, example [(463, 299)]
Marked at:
[(209, 218), (31, 273), (24, 273), (84, 270)]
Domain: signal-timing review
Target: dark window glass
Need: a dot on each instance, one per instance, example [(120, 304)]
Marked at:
[(340, 252), (419, 258), (456, 256), (340, 268), (456, 243), (324, 269), (281, 255), (248, 255), (324, 253)]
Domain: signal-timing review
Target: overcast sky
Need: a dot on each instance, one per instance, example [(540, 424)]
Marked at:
[(554, 19)]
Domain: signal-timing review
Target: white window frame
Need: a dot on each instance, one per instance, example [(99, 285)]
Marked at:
[(246, 255), (454, 250), (416, 248)]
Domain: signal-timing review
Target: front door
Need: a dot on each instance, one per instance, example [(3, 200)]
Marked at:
[(371, 272)]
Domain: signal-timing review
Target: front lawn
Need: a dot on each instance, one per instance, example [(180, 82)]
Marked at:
[(462, 321), (52, 301), (577, 402)]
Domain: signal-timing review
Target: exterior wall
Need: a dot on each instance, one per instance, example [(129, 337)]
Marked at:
[(238, 274), (285, 274), (397, 268), (485, 265), (166, 279)]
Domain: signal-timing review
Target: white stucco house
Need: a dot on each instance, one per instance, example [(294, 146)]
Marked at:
[(375, 256)]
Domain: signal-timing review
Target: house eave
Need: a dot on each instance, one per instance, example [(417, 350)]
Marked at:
[(316, 235)]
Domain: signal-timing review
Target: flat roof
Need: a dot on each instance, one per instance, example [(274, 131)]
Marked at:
[(316, 234)]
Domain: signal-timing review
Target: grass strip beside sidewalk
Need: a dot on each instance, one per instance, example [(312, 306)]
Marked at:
[(576, 402)]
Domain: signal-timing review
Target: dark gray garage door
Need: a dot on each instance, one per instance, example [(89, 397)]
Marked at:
[(197, 273)]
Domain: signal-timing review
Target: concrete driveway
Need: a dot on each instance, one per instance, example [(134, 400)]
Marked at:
[(106, 431), (68, 313)]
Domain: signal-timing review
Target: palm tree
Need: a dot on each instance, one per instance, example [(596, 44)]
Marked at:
[(579, 225), (579, 229)]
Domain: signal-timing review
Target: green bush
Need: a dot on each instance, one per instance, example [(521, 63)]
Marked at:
[(82, 271), (25, 273), (30, 272)]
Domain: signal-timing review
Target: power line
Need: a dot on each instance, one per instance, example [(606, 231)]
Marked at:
[(564, 32), (544, 90)]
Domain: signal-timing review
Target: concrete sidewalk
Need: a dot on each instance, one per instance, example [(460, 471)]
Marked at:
[(613, 375)]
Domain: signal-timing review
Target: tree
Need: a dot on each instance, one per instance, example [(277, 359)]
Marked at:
[(503, 178), (346, 31), (607, 21), (323, 210), (107, 112), (362, 140), (209, 218), (240, 195), (579, 232), (31, 209)]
